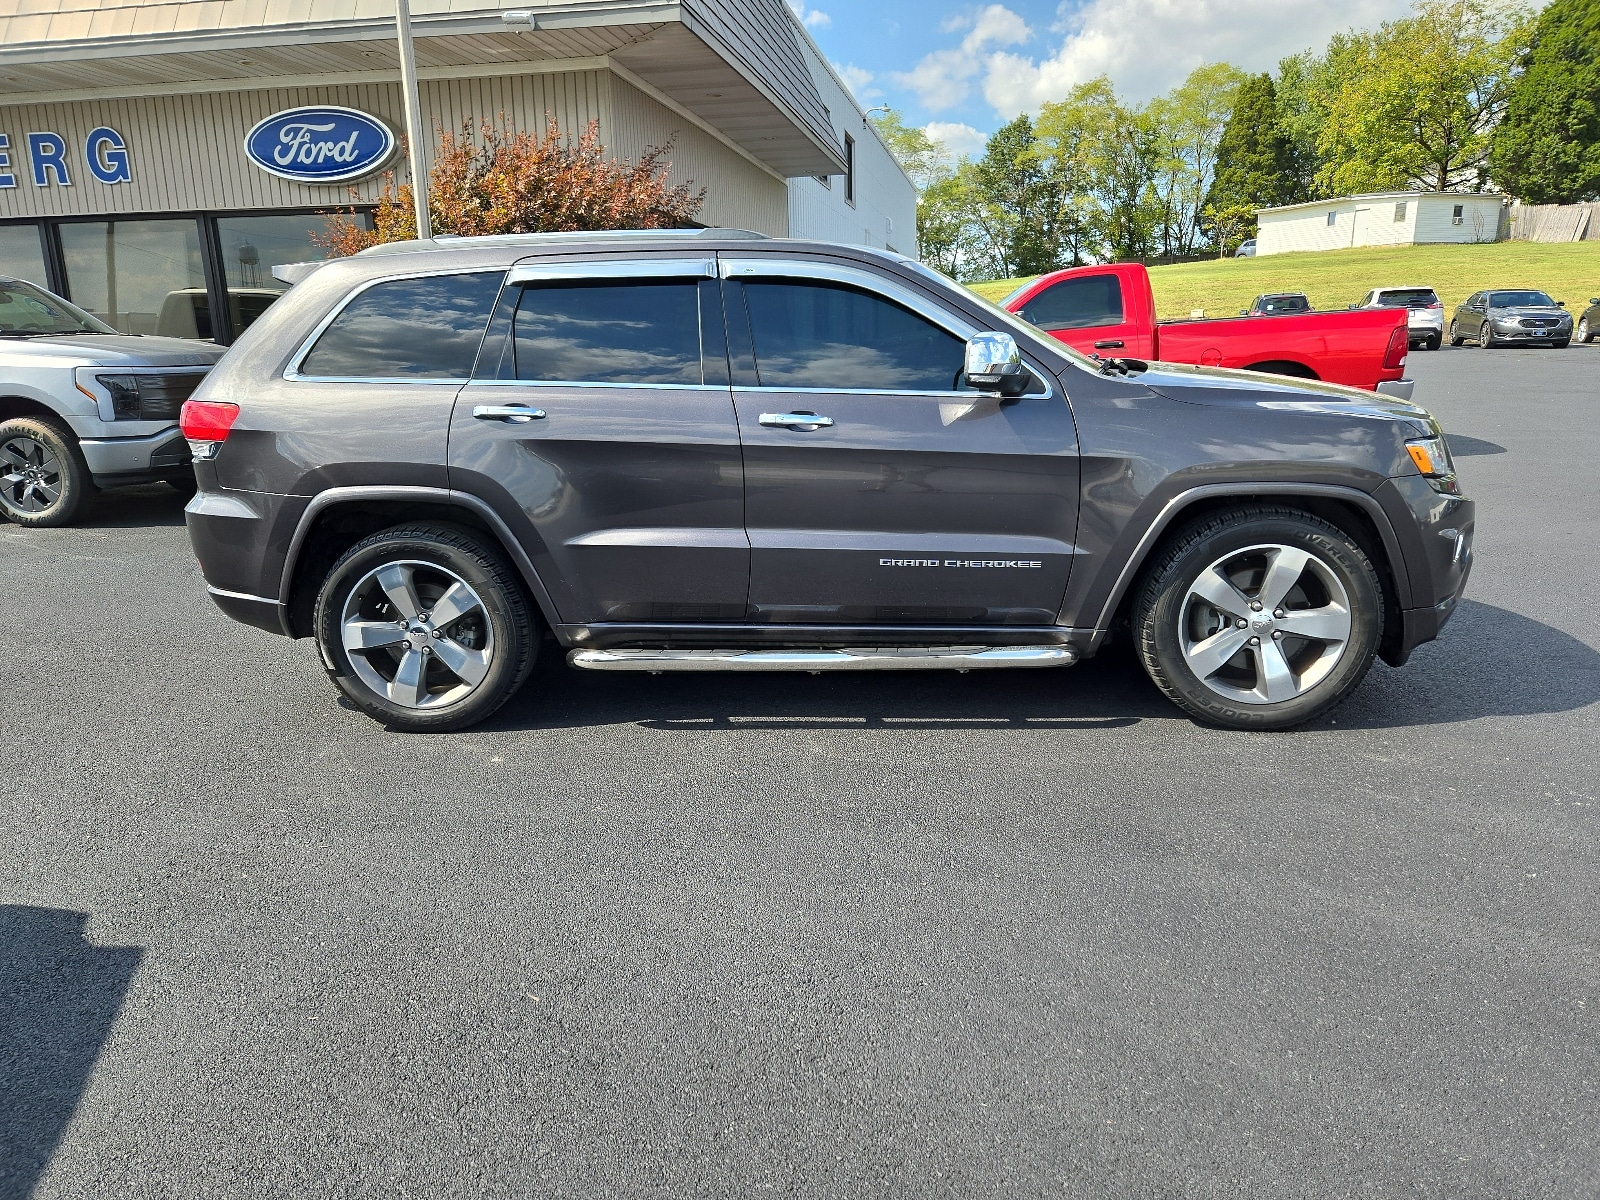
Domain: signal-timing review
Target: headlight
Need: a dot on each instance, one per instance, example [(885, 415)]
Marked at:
[(1432, 457), (126, 403)]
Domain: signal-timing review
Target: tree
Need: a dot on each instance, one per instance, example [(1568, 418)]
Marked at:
[(1300, 118), (1014, 178), (1253, 162), (923, 159), (1547, 148), (1188, 124), (1414, 103), (515, 182)]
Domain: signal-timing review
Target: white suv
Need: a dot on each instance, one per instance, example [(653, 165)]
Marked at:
[(1424, 312), (84, 407)]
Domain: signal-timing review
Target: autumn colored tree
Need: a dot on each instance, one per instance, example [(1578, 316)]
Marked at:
[(514, 181)]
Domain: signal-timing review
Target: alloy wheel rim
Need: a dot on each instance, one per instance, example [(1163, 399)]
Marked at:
[(1265, 624), (417, 634), (30, 475)]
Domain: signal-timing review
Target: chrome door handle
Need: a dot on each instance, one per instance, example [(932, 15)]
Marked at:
[(795, 420), (516, 414)]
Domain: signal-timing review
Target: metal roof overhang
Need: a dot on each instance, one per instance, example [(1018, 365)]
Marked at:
[(666, 44)]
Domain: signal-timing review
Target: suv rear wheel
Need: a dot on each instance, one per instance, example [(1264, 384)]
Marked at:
[(43, 479), (1259, 618), (426, 628)]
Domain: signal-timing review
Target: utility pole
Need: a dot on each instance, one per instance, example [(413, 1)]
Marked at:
[(414, 151)]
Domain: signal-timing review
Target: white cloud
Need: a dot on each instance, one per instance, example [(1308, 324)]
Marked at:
[(942, 79), (1150, 46), (858, 80), (811, 18), (957, 138)]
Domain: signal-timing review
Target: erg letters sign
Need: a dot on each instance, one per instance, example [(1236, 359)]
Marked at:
[(321, 143)]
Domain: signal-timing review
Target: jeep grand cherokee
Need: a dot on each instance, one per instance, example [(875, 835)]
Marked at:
[(708, 450)]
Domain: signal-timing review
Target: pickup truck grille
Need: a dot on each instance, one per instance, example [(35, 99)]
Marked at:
[(151, 397)]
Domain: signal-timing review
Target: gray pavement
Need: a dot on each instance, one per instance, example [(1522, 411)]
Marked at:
[(1002, 934)]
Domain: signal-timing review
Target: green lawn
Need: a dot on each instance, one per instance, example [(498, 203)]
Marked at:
[(1569, 271)]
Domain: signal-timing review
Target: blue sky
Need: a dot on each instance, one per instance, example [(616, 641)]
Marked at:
[(962, 69)]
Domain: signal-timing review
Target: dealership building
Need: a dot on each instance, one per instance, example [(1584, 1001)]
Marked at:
[(159, 157)]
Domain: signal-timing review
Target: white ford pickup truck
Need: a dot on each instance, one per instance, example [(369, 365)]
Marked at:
[(83, 407)]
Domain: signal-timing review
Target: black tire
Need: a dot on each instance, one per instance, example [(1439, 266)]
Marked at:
[(1485, 338), (44, 481), (1163, 617), (1584, 334), (1455, 335), (499, 631), (1433, 343)]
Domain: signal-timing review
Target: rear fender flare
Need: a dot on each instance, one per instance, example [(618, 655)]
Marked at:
[(334, 497)]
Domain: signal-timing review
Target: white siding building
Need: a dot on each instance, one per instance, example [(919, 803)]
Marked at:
[(875, 205), (1382, 219)]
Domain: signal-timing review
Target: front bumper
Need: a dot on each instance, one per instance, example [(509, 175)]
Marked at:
[(115, 461), (1436, 555), (1400, 389), (1532, 337)]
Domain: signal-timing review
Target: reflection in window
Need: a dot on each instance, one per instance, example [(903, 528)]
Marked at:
[(252, 246), (1077, 304), (22, 253), (819, 335), (425, 328), (608, 333), (137, 276)]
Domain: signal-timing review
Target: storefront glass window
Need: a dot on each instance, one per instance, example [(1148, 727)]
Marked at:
[(138, 276), (252, 246), (22, 253)]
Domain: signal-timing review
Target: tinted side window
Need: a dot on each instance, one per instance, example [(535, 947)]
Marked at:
[(608, 333), (821, 335), (1077, 304), (425, 328)]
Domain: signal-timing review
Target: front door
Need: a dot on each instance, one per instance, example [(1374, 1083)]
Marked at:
[(600, 426), (911, 499), (1089, 313)]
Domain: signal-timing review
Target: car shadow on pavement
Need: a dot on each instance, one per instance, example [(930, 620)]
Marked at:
[(140, 507), (1466, 447), (1480, 667), (59, 995)]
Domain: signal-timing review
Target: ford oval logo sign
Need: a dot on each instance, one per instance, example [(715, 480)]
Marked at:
[(320, 144)]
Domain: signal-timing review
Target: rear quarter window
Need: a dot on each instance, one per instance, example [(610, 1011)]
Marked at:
[(422, 328)]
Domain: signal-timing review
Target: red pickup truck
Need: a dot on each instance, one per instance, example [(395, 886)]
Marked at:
[(1110, 311)]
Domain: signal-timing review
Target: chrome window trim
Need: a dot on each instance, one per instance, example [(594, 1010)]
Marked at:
[(293, 374), (738, 269), (574, 383), (612, 270)]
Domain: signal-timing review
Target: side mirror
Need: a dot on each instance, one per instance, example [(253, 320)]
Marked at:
[(994, 364), (1594, 299), (1561, 303)]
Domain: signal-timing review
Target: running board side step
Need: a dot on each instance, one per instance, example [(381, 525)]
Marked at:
[(860, 658)]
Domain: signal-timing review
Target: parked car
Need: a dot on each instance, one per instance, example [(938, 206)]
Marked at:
[(186, 312), (83, 407), (1424, 312), (704, 450), (1277, 304), (1247, 249), (1111, 307), (1511, 317), (1589, 321)]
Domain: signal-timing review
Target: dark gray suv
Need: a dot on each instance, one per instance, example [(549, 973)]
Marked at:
[(709, 450)]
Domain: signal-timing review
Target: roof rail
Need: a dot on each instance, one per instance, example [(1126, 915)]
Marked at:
[(444, 241)]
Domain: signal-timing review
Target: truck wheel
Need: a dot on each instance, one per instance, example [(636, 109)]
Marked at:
[(1455, 337), (425, 628), (1259, 618), (44, 481)]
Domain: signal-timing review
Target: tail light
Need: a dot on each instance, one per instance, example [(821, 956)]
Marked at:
[(1395, 356), (207, 423), (1436, 304)]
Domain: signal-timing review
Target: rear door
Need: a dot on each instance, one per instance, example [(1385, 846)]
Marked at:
[(1092, 314), (911, 499), (600, 425)]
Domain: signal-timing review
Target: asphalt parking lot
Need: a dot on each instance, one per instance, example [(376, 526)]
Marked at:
[(1000, 934)]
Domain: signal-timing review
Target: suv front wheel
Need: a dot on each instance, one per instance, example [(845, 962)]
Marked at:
[(426, 628), (1259, 618)]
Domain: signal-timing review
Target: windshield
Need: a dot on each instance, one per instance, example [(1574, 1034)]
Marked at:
[(26, 309), (1520, 300), (1288, 303), (1025, 333), (1408, 298)]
